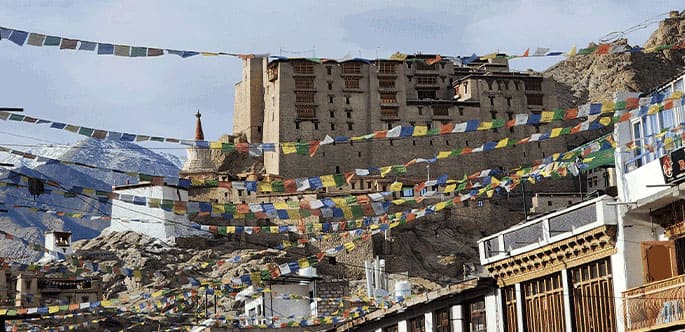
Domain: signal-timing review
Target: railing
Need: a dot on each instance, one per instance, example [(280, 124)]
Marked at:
[(655, 305), (547, 229)]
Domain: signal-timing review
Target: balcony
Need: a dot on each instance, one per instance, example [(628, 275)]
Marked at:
[(549, 229), (654, 306), (391, 113)]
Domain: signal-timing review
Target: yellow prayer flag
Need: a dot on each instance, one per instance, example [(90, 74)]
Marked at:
[(265, 187), (450, 188), (572, 52), (502, 143), (273, 229), (349, 246), (347, 212), (303, 263), (281, 205), (485, 125), (444, 154), (396, 186), (547, 117), (215, 145), (288, 148), (209, 53), (556, 132), (218, 208), (605, 121), (53, 309), (653, 109), (489, 56), (399, 201), (328, 181), (230, 229), (608, 107), (385, 170), (490, 193), (440, 206), (420, 130)]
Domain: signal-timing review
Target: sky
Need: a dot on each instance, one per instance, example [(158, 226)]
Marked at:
[(159, 95)]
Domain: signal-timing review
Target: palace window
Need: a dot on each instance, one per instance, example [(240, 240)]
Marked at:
[(304, 83), (303, 67), (351, 68), (386, 83), (387, 68)]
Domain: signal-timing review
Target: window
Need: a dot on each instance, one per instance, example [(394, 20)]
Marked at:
[(332, 126), (330, 99), (543, 297), (533, 85), (386, 83), (441, 320), (351, 83), (426, 80), (306, 97), (476, 314), (329, 70), (678, 86), (427, 94), (330, 86), (492, 100), (388, 98), (392, 328), (349, 113), (424, 66), (351, 68), (534, 99), (417, 324), (304, 83), (389, 112), (305, 111), (303, 67), (508, 101), (510, 316), (316, 126), (593, 282), (347, 100), (387, 68), (297, 124), (441, 110), (349, 126), (331, 113)]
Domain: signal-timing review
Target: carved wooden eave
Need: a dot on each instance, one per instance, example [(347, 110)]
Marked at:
[(577, 250)]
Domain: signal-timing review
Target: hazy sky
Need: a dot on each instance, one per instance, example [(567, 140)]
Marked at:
[(159, 95)]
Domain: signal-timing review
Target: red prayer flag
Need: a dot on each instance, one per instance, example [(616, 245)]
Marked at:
[(434, 60), (526, 52), (446, 128), (603, 49), (632, 103), (571, 113), (313, 147)]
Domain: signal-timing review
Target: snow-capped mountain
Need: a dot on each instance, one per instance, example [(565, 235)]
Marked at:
[(31, 225)]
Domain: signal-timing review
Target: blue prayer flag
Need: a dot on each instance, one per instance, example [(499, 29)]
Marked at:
[(18, 37), (105, 48)]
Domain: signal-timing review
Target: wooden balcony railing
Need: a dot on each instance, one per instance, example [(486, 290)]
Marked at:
[(655, 305)]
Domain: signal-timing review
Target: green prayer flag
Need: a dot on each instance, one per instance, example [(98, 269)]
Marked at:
[(433, 132), (277, 186), (52, 41), (302, 148), (138, 51), (227, 147), (339, 180), (498, 123), (559, 114)]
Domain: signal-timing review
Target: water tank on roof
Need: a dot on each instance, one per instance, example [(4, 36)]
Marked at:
[(402, 289)]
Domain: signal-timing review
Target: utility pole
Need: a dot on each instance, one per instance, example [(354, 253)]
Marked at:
[(523, 192)]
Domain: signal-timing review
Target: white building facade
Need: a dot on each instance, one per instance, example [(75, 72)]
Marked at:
[(154, 222)]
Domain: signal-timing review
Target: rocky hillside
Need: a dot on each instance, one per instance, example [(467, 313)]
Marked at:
[(581, 79)]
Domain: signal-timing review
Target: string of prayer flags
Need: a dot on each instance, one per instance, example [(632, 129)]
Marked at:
[(22, 38), (650, 105)]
